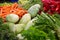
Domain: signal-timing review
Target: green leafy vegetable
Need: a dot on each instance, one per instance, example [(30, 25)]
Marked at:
[(31, 3), (45, 23), (5, 33), (34, 34)]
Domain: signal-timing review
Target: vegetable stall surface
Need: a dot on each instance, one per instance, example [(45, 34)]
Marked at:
[(28, 25)]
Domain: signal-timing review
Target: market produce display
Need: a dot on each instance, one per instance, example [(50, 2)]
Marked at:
[(34, 20)]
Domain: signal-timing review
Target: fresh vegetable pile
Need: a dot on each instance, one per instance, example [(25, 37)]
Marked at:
[(13, 9), (31, 24)]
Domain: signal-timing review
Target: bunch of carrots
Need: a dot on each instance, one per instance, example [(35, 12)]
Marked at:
[(12, 9)]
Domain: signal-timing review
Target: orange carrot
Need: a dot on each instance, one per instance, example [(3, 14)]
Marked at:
[(5, 10)]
